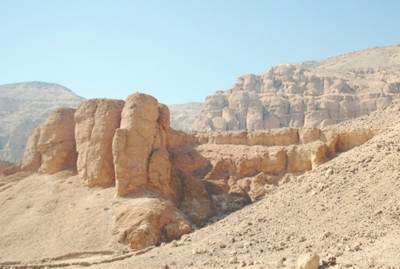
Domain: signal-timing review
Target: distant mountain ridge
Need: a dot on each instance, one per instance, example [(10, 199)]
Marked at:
[(184, 115), (22, 107)]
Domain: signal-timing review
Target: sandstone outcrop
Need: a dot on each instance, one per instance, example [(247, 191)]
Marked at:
[(51, 147), (139, 148), (96, 122), (170, 179), (309, 94)]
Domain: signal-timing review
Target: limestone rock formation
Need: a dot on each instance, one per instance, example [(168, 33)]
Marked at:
[(308, 94), (23, 106), (51, 147), (96, 122)]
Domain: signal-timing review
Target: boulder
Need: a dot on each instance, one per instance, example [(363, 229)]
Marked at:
[(146, 221)]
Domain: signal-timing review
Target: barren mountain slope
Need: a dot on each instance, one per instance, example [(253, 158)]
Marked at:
[(22, 107), (183, 115), (348, 207), (309, 94)]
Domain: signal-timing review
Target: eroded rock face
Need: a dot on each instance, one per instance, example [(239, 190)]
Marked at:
[(240, 167), (144, 222), (96, 121), (171, 179), (309, 94), (139, 148), (51, 147)]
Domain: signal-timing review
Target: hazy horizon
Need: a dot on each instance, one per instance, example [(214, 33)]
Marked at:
[(179, 52)]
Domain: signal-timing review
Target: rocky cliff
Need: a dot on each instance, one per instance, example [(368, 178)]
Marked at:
[(168, 180), (22, 107), (308, 94)]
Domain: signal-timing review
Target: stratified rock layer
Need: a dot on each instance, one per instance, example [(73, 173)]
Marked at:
[(309, 94)]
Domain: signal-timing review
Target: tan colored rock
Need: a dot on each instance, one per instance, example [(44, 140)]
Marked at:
[(96, 122), (141, 158), (189, 167), (309, 94), (133, 142), (51, 147), (308, 261), (349, 139), (31, 160), (144, 222)]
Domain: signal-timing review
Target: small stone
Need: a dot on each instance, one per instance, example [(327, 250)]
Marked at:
[(356, 247), (233, 260), (371, 263), (308, 261), (279, 263), (338, 253), (326, 235)]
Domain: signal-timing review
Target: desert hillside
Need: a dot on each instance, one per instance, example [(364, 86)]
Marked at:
[(308, 94), (117, 193), (347, 208), (22, 107), (184, 115)]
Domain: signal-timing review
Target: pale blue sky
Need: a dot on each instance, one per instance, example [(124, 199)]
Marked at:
[(178, 51)]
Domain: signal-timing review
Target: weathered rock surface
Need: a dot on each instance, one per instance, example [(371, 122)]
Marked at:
[(96, 122), (169, 178), (139, 148), (51, 147), (308, 94), (23, 106), (240, 167), (146, 222)]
